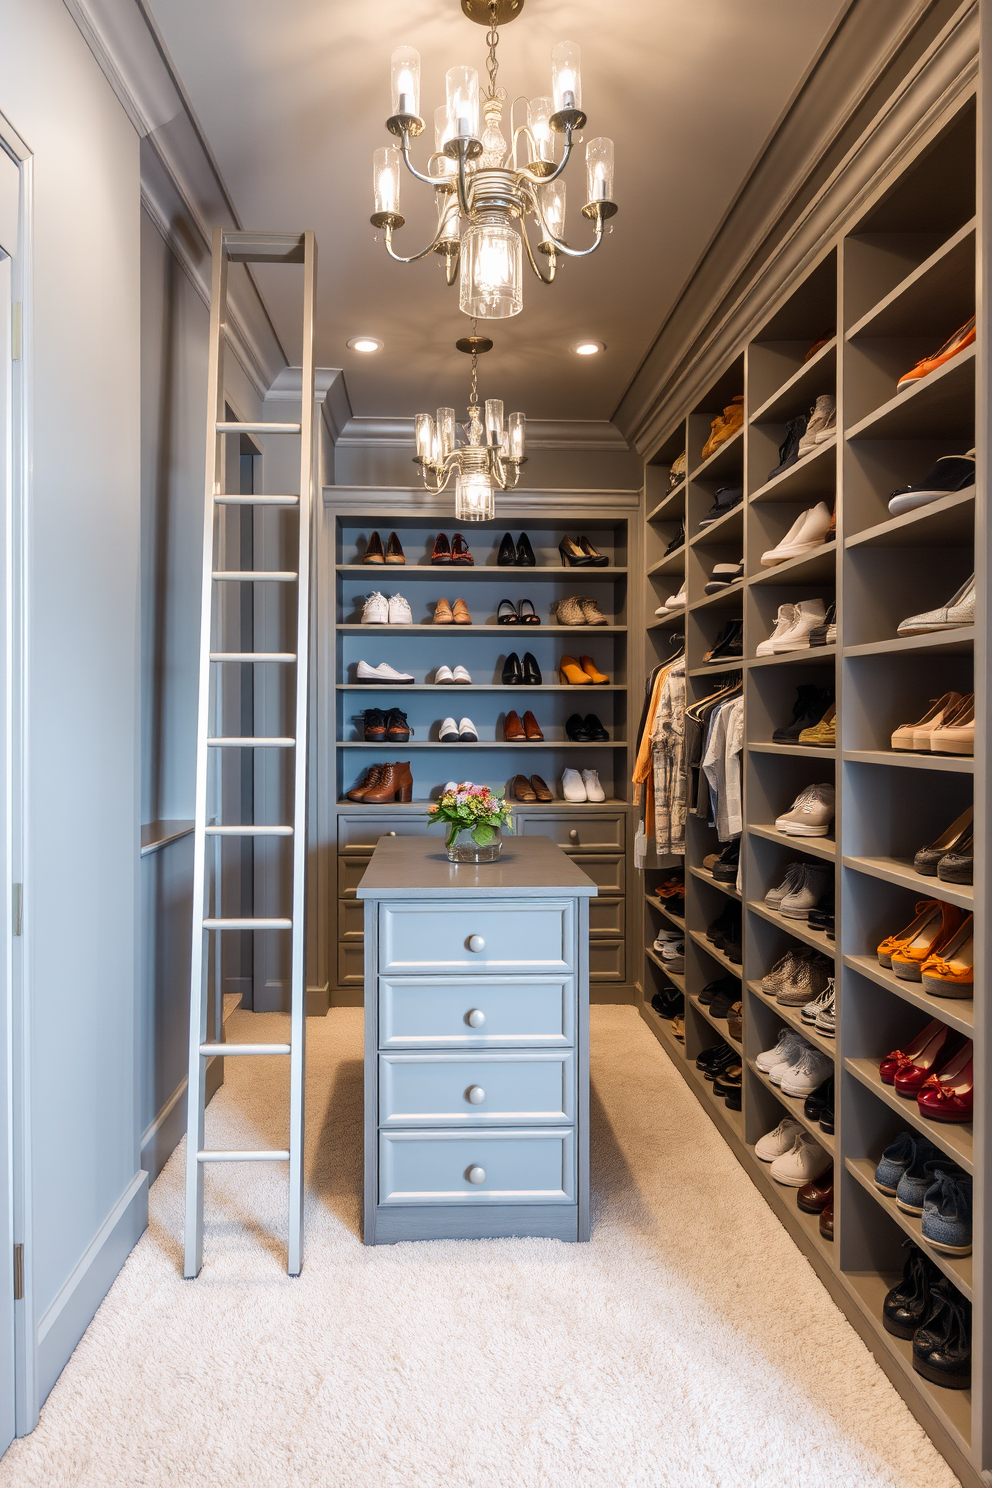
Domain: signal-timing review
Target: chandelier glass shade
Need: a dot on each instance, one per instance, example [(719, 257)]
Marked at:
[(488, 190)]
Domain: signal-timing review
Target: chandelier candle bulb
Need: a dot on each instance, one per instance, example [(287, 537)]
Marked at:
[(566, 77), (386, 180), (424, 436), (516, 426), (446, 430), (494, 422), (599, 170), (462, 85), (405, 79), (553, 208), (539, 112)]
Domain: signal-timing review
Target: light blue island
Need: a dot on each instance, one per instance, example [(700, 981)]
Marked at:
[(476, 1043)]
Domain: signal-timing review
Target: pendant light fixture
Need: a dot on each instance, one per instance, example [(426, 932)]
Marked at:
[(494, 186), (492, 452)]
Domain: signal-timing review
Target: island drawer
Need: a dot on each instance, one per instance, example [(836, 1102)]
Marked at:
[(478, 938), (489, 1089), (507, 1167), (577, 831), (518, 1012)]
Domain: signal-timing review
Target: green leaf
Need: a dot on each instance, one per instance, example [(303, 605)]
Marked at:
[(483, 834)]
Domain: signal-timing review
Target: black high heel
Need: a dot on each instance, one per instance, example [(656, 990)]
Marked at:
[(596, 558), (572, 555), (507, 555), (510, 619), (524, 557), (524, 619)]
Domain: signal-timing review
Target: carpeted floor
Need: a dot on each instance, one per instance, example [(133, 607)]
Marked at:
[(688, 1346)]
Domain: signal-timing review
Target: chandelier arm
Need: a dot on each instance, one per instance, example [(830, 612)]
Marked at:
[(552, 264), (405, 152), (463, 185), (525, 174), (561, 246), (414, 257), (526, 130)]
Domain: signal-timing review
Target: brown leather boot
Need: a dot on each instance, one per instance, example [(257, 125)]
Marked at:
[(531, 728), (371, 778), (396, 785), (513, 729)]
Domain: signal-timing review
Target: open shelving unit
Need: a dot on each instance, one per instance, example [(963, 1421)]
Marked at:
[(890, 287)]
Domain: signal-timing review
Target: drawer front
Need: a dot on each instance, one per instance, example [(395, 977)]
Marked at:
[(351, 963), (524, 935), (359, 834), (607, 963), (351, 871), (576, 832), (525, 1011), (476, 1089), (351, 920), (606, 918), (605, 869), (513, 1167)]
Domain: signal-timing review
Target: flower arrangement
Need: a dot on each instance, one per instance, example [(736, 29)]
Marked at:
[(474, 809)]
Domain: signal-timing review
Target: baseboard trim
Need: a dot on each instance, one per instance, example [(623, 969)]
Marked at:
[(73, 1309), (318, 1001), (160, 1140)]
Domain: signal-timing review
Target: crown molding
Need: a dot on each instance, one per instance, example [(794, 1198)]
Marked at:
[(181, 185), (412, 500), (572, 434), (330, 393), (821, 163)]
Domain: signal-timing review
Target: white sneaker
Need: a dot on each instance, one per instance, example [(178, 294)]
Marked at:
[(807, 1074), (677, 601), (399, 611), (809, 614), (594, 791), (462, 676), (381, 673), (778, 1142), (805, 1161), (807, 533), (822, 420), (467, 732), (664, 935), (809, 815), (784, 621), (810, 1011), (448, 733), (443, 674), (375, 611), (788, 1043), (778, 1072), (573, 787)]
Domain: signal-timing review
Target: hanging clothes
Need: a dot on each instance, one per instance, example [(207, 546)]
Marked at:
[(668, 764), (721, 767)]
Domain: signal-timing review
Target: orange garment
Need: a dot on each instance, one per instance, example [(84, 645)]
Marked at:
[(643, 767)]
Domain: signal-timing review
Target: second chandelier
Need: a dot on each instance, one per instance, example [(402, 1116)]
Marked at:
[(477, 176)]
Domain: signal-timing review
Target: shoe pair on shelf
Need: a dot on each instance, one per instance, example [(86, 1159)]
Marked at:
[(580, 553), (457, 551), (724, 501), (456, 614), (530, 788), (729, 644), (821, 1014), (384, 726), (951, 475), (581, 673), (464, 732), (678, 471), (794, 624), (958, 611), (794, 1065), (722, 576), (722, 1065), (937, 1069), (517, 673), (523, 613), (812, 713), (926, 1183), (796, 1158), (963, 337), (384, 673), (582, 786), (669, 945), (515, 555), (520, 731), (586, 730), (677, 541), (720, 996), (798, 977), (444, 676), (671, 892), (725, 932), (810, 814), (948, 727), (929, 1309), (937, 948), (578, 611), (382, 783), (668, 1002), (951, 857), (724, 426), (807, 533), (376, 553), (725, 864), (801, 890), (805, 433), (378, 610), (674, 602)]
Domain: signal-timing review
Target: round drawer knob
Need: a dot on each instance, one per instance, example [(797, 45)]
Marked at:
[(390, 834), (476, 1095), (574, 835), (476, 1018), (476, 1175), (476, 943)]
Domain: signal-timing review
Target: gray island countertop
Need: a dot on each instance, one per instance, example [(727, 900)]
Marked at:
[(418, 868)]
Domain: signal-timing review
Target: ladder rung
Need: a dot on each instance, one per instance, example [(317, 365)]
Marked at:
[(243, 1156), (256, 575), (246, 743), (225, 1049), (249, 831), (265, 247), (248, 924), (239, 428), (253, 656), (226, 500)]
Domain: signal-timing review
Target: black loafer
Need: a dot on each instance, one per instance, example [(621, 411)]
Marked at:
[(512, 675), (595, 732), (524, 557), (575, 729), (531, 671)]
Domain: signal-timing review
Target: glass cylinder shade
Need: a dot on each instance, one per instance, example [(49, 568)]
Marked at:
[(516, 426), (494, 421), (553, 207), (405, 79), (475, 497), (424, 436), (539, 112), (440, 164), (462, 85), (386, 179), (566, 76), (599, 170), (491, 271), (446, 430)]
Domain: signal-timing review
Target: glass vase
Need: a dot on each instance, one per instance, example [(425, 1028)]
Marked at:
[(464, 850)]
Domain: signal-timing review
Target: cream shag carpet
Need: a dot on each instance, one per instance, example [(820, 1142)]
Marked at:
[(688, 1346)]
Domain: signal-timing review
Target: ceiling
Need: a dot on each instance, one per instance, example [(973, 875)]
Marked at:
[(292, 97)]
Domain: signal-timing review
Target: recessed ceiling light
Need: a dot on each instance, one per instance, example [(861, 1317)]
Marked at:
[(588, 348), (365, 343)]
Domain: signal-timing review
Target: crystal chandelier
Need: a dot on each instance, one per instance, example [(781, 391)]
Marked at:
[(493, 186), (491, 455)]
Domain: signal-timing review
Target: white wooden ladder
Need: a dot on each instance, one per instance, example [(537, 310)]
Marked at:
[(211, 744)]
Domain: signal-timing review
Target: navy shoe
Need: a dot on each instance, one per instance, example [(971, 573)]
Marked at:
[(918, 1179), (727, 497), (788, 451), (946, 1222), (896, 1158)]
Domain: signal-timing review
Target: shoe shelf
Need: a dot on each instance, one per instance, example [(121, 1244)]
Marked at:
[(455, 689), (669, 505), (489, 627), (659, 905), (791, 1016), (937, 406), (782, 1201), (798, 751), (482, 745), (727, 599), (810, 479), (794, 1105), (801, 389), (720, 1024), (797, 928), (901, 871), (733, 1119), (726, 529), (724, 461), (955, 1138), (817, 847), (957, 1012), (904, 759), (732, 968), (451, 574), (959, 642), (673, 562), (419, 807), (937, 295), (790, 658), (662, 1029), (949, 522), (731, 890), (808, 568), (957, 1268), (673, 619), (677, 978)]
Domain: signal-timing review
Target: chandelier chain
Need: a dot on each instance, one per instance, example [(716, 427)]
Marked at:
[(492, 37), (474, 400)]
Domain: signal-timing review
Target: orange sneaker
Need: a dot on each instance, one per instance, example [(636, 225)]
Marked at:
[(962, 338), (724, 426)]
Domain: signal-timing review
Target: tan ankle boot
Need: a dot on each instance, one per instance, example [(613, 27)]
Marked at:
[(396, 785)]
